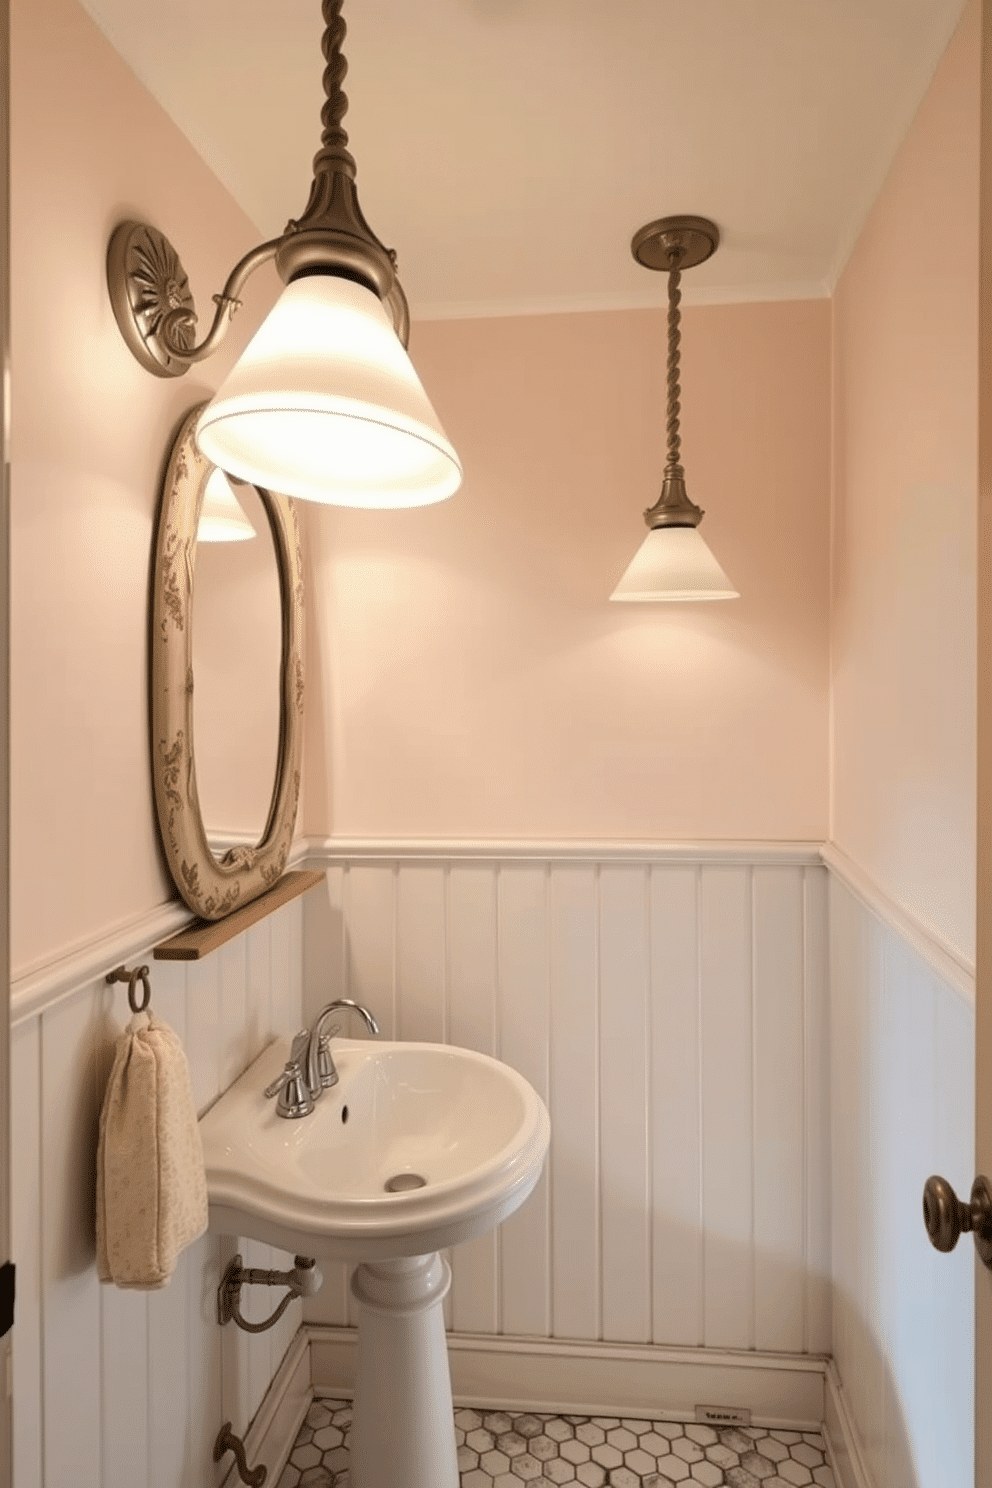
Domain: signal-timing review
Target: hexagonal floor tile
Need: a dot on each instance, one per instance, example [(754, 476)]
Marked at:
[(542, 1447), (739, 1477), (527, 1426), (759, 1467), (498, 1449), (722, 1456), (795, 1473), (591, 1475), (706, 1473), (306, 1456), (317, 1477), (525, 1468), (735, 1440), (497, 1422), (591, 1434), (658, 1446), (558, 1471), (327, 1437), (673, 1468)]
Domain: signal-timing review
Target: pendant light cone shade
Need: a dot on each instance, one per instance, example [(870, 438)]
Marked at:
[(324, 404), (674, 563), (222, 517)]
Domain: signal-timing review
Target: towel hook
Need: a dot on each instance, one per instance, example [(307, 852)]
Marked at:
[(228, 1442), (140, 973)]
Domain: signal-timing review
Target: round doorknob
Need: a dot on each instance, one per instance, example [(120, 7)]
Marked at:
[(947, 1217)]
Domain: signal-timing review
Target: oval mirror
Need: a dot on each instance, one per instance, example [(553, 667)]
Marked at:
[(213, 885)]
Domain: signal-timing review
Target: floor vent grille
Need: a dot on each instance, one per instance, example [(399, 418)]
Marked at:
[(722, 1415)]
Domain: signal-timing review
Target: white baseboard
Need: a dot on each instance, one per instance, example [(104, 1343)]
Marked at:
[(271, 1435), (783, 1390), (843, 1442)]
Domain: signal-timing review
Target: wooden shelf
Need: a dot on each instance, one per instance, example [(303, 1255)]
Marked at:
[(203, 936)]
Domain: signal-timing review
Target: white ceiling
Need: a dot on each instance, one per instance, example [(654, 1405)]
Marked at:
[(508, 149)]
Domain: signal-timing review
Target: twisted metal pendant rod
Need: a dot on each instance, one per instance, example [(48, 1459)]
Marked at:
[(334, 136), (674, 466)]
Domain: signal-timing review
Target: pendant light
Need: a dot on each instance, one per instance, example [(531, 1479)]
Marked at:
[(324, 403), (674, 562)]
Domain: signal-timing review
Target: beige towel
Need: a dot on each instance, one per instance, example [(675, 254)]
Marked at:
[(151, 1191)]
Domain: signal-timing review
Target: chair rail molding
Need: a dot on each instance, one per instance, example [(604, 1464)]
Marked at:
[(320, 850), (943, 958)]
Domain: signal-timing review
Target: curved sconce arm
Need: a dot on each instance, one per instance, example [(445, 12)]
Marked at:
[(227, 302), (153, 303)]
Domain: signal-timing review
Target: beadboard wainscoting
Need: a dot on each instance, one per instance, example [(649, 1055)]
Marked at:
[(670, 1007), (118, 1389), (901, 1396)]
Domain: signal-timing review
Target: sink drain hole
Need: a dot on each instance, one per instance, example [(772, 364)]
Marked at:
[(403, 1182)]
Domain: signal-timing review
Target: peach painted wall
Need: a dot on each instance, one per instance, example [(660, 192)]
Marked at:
[(90, 435), (906, 408), (476, 680)]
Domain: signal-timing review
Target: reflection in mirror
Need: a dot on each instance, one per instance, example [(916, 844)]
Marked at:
[(237, 656), (222, 515)]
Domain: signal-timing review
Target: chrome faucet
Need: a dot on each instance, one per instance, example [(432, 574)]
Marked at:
[(321, 1074), (310, 1068)]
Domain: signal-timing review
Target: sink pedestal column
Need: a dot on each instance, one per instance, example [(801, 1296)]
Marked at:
[(403, 1427)]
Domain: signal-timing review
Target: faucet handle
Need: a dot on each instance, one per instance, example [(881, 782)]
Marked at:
[(294, 1094), (290, 1086)]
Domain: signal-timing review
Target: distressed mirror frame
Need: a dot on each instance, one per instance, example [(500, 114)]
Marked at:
[(213, 887)]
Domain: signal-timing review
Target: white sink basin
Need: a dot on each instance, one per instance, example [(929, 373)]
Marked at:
[(470, 1127)]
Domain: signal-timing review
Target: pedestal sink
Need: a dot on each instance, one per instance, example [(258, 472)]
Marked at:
[(418, 1147)]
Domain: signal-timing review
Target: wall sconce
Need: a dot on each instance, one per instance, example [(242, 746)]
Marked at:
[(324, 403), (674, 562)]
